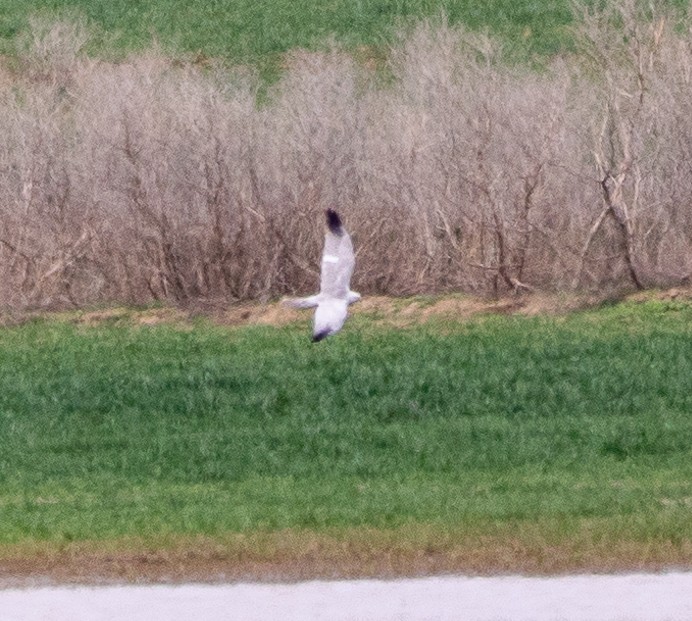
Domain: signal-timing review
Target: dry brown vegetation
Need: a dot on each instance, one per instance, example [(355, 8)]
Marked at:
[(154, 180), (289, 555)]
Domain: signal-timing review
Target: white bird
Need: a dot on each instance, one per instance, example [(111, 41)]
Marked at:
[(335, 294)]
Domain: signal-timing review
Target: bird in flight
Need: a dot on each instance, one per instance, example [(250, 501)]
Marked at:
[(335, 294)]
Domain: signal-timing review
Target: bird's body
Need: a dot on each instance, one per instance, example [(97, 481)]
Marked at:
[(330, 316), (338, 261)]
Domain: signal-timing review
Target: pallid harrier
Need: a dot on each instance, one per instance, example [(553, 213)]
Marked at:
[(335, 295)]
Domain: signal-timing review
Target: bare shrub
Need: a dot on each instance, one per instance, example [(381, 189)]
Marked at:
[(150, 180), (164, 171), (49, 50), (484, 141), (639, 137)]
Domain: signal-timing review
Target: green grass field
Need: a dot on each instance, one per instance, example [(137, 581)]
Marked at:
[(260, 32), (246, 31), (501, 443), (443, 435)]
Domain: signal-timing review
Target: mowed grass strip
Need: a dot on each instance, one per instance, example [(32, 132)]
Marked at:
[(532, 433)]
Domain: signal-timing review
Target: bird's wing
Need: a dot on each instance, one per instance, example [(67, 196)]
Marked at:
[(309, 302), (338, 259)]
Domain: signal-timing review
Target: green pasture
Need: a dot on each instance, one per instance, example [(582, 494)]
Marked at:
[(247, 31), (120, 431)]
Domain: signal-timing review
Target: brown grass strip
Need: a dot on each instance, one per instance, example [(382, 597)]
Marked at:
[(293, 555)]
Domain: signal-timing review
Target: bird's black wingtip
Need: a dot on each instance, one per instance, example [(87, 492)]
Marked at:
[(317, 337), (334, 222)]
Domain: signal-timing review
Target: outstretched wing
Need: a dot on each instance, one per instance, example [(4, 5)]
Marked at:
[(309, 302), (338, 259)]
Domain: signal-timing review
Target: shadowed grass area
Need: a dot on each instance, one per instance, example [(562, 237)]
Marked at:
[(121, 431)]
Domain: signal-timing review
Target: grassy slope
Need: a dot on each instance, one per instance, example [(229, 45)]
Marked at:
[(437, 433), (245, 30), (258, 32)]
